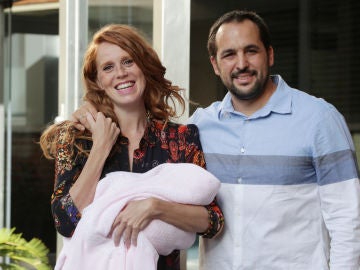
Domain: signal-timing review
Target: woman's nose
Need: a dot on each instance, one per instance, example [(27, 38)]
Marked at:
[(121, 71)]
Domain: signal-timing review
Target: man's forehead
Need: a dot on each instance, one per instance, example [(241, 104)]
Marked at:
[(231, 35)]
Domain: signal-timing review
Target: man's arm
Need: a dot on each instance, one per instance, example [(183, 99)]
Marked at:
[(339, 189)]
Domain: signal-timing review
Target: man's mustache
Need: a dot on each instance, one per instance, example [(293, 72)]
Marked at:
[(237, 73)]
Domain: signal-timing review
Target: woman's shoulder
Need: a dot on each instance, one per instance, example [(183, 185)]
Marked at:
[(66, 135), (63, 132), (171, 126)]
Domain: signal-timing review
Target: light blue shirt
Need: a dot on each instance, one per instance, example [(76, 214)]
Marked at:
[(290, 180)]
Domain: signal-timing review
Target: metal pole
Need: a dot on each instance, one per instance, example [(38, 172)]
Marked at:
[(9, 125), (2, 118)]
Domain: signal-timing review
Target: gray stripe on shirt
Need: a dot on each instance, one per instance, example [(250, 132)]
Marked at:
[(282, 170)]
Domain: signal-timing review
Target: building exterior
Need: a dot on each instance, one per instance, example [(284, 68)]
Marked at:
[(317, 49)]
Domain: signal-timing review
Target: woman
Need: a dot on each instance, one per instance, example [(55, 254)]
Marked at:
[(132, 131)]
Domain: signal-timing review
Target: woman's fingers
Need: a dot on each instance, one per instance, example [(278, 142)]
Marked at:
[(133, 218), (127, 236), (117, 233), (104, 131), (90, 120), (79, 117), (134, 236)]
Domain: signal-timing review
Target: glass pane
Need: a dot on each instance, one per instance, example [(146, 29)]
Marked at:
[(34, 97), (138, 13)]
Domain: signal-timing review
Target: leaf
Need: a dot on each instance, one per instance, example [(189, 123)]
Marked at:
[(33, 253)]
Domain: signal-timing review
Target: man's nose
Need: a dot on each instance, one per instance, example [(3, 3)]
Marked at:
[(241, 61)]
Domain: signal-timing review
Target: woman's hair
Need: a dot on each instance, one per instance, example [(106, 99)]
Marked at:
[(159, 96), (238, 16), (158, 91)]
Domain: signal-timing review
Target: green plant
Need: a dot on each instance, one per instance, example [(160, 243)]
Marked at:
[(22, 254)]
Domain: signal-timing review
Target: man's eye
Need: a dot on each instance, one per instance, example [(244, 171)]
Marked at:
[(227, 55), (253, 51)]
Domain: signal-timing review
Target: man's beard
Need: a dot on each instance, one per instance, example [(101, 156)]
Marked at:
[(254, 92)]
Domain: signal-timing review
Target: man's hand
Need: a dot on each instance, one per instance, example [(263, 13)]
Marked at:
[(79, 116)]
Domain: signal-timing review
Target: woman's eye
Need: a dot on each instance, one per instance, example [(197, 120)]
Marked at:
[(107, 68), (127, 62)]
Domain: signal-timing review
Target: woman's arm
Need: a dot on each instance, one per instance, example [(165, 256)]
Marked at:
[(76, 178), (195, 155), (104, 135)]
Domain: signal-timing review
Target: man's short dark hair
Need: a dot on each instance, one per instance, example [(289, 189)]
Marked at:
[(238, 16)]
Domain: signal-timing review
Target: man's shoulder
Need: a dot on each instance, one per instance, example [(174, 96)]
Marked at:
[(313, 111), (302, 99), (308, 101)]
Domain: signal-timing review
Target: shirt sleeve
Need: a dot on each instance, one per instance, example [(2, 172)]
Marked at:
[(339, 190), (194, 154), (67, 169)]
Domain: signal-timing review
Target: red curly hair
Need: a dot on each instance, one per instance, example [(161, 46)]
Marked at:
[(160, 95), (158, 92)]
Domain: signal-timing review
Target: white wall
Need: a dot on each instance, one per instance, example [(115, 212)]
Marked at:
[(171, 40)]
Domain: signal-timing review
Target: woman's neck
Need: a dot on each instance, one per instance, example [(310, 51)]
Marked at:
[(132, 126), (132, 123)]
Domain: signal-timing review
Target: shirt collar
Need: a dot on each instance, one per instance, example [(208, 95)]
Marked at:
[(279, 102)]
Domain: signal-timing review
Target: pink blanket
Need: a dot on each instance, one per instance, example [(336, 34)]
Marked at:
[(90, 248)]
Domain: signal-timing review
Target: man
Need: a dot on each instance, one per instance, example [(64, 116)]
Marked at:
[(290, 192), (290, 186)]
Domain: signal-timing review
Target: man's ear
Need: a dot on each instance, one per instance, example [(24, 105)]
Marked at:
[(214, 65), (271, 56)]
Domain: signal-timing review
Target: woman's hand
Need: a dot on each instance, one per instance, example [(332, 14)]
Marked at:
[(79, 116), (104, 135), (137, 215), (104, 131), (134, 217)]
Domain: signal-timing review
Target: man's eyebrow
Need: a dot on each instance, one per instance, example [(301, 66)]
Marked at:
[(231, 50), (252, 46), (227, 51)]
